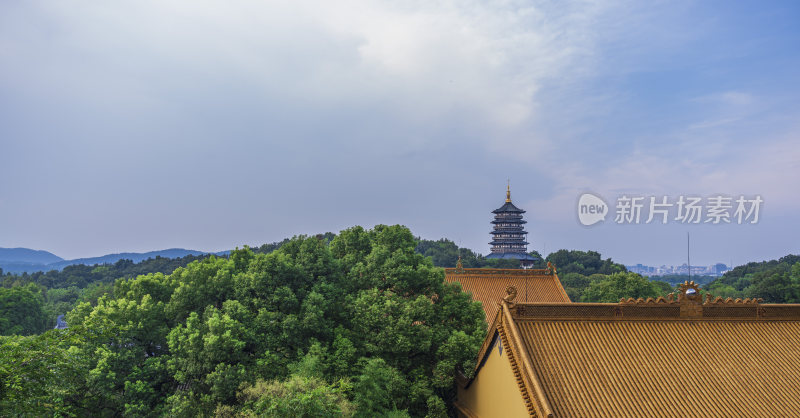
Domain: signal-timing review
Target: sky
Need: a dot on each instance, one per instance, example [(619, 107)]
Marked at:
[(144, 125)]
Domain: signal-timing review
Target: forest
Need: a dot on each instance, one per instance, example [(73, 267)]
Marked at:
[(359, 323), (359, 326)]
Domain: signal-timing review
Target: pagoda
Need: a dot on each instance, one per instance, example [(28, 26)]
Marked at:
[(508, 233)]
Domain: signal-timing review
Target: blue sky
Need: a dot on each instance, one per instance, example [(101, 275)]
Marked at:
[(133, 126)]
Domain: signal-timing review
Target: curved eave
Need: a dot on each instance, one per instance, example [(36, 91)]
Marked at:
[(512, 256), (508, 207), (516, 242)]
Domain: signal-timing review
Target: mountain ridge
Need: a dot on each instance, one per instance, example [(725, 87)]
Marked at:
[(28, 256), (22, 260)]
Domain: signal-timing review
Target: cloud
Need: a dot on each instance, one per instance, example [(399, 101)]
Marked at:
[(417, 62), (377, 111)]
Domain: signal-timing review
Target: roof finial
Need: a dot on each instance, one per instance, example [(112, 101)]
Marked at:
[(508, 192)]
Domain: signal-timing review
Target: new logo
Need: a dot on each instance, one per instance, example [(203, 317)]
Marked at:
[(591, 209)]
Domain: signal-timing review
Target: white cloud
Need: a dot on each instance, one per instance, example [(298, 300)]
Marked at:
[(353, 90), (479, 61)]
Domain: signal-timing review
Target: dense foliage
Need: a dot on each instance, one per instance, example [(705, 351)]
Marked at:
[(776, 281), (676, 279), (80, 276), (583, 262), (57, 292), (21, 310), (612, 288), (445, 253), (360, 326)]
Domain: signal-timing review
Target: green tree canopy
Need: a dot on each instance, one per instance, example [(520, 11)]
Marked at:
[(583, 262), (22, 310), (621, 285), (311, 328)]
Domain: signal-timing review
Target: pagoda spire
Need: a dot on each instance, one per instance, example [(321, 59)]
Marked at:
[(508, 192)]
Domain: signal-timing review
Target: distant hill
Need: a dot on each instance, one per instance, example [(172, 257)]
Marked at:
[(20, 260), (27, 256), (135, 257)]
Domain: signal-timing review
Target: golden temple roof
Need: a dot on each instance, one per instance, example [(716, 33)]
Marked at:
[(489, 286), (666, 357)]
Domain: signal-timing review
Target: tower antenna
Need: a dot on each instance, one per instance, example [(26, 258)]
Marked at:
[(688, 258)]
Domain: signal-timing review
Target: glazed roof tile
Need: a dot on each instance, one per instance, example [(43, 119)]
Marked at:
[(489, 286), (657, 357), (666, 368)]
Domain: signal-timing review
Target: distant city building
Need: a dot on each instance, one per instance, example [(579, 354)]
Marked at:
[(643, 270), (508, 233), (714, 270)]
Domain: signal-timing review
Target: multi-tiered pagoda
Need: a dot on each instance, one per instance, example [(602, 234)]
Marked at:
[(508, 234)]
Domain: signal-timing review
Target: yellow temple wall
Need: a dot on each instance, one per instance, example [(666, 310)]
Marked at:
[(494, 392)]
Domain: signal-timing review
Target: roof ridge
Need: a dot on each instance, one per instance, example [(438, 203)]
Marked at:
[(504, 329), (512, 272), (524, 370), (689, 304)]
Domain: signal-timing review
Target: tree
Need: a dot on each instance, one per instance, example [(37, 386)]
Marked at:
[(774, 288), (574, 284), (583, 262), (40, 373), (22, 310), (297, 396), (379, 389), (767, 279), (620, 285)]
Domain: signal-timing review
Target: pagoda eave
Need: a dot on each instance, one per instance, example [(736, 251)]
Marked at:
[(512, 256)]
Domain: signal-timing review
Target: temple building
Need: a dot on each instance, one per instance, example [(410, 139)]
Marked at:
[(508, 233), (679, 356), (489, 286)]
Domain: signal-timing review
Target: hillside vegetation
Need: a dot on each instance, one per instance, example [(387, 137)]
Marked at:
[(361, 326), (776, 281)]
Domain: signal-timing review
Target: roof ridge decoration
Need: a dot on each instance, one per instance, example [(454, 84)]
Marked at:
[(551, 269), (459, 266), (711, 300), (689, 304), (689, 293), (511, 294), (690, 300)]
